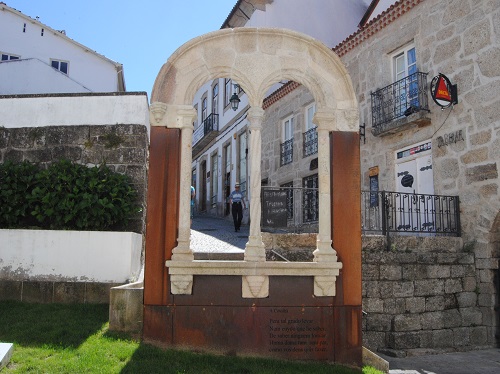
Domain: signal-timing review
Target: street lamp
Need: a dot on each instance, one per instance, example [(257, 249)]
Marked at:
[(235, 100)]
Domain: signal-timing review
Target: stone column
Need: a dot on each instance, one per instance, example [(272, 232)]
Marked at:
[(325, 120), (180, 117), (255, 250)]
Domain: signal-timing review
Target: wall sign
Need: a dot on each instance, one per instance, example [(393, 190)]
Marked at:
[(450, 138), (274, 208), (443, 92), (414, 150)]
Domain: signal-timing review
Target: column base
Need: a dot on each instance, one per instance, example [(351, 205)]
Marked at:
[(255, 250)]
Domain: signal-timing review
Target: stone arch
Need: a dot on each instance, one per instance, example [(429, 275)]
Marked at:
[(255, 58)]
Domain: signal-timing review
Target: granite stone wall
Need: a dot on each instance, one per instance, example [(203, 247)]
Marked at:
[(423, 296), (123, 148)]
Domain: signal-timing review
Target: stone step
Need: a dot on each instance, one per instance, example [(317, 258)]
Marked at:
[(6, 350)]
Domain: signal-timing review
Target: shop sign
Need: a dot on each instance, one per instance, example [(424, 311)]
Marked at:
[(443, 92)]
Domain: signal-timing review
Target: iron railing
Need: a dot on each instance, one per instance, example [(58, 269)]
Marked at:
[(310, 138), (385, 212), (295, 209), (210, 124), (402, 98), (286, 154), (290, 209)]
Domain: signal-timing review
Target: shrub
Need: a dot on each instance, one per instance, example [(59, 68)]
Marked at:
[(71, 196), (16, 183)]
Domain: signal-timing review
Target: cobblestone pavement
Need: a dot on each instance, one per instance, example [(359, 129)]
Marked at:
[(214, 238), (486, 361)]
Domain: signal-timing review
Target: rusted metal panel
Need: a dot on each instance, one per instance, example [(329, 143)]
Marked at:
[(346, 212), (303, 333), (162, 213), (158, 325), (348, 340)]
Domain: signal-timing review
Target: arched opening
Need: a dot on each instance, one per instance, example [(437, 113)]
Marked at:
[(256, 59)]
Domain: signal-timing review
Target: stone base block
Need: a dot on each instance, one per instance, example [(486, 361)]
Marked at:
[(6, 350)]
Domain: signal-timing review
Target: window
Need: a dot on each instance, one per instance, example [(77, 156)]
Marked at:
[(227, 91), (404, 64), (310, 110), (289, 199), (286, 155), (214, 180), (204, 109), (311, 198), (242, 155), (8, 57), (62, 66), (215, 99), (310, 134)]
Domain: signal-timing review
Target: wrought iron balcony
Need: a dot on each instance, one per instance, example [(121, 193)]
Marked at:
[(310, 139), (386, 212), (403, 102), (205, 133), (286, 155)]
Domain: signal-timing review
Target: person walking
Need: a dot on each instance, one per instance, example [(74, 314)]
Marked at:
[(237, 205)]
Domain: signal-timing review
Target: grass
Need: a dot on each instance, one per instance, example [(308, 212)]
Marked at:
[(74, 338)]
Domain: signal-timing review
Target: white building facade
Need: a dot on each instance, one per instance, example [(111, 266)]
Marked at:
[(38, 59)]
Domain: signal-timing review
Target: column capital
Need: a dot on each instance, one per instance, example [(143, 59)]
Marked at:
[(171, 116), (255, 116), (325, 119)]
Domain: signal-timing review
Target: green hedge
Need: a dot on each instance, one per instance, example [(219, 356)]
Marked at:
[(65, 196)]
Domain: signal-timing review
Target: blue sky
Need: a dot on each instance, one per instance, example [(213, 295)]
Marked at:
[(141, 35)]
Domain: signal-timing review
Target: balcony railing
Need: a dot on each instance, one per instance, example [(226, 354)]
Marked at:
[(310, 139), (205, 133), (295, 209), (400, 99), (386, 212), (286, 155)]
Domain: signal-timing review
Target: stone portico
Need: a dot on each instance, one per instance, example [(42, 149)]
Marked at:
[(256, 59)]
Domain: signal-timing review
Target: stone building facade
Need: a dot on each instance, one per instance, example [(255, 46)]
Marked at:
[(460, 39), (460, 146)]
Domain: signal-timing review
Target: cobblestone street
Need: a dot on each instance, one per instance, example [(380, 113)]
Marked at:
[(214, 238)]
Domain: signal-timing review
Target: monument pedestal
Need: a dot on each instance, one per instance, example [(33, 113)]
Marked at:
[(291, 323)]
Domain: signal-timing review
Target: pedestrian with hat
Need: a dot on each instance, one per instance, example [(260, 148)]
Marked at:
[(237, 202)]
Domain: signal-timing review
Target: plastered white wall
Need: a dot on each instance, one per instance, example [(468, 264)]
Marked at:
[(81, 256), (74, 110)]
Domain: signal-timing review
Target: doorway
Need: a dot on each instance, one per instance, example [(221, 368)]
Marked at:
[(203, 186), (415, 183)]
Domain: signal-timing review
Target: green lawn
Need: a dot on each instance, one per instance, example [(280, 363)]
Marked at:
[(74, 338)]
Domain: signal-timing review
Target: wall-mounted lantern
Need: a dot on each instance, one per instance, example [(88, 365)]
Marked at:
[(235, 100)]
